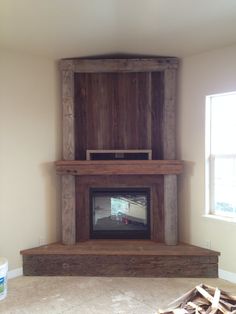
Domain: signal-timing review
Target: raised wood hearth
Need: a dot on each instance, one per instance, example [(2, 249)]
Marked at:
[(131, 258)]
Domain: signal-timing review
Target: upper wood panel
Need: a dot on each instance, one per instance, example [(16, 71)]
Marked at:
[(118, 104), (118, 111)]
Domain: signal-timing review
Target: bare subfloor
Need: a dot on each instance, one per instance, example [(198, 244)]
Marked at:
[(98, 295)]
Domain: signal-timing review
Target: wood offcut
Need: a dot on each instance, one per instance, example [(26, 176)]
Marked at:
[(203, 299)]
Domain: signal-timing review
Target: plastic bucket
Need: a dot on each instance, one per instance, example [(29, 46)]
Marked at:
[(3, 277)]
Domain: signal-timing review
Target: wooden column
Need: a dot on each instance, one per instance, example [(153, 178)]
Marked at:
[(68, 147), (68, 209), (169, 115), (169, 152), (170, 210)]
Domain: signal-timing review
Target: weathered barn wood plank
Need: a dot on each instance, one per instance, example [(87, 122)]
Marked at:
[(137, 258)]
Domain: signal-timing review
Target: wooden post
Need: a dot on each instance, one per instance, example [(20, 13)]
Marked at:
[(68, 181), (170, 209), (169, 152)]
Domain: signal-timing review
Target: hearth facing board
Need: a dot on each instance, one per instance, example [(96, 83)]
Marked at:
[(134, 258)]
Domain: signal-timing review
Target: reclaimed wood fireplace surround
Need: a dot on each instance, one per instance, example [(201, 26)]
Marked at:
[(119, 104)]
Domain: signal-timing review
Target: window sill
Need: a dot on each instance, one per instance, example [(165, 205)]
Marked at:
[(220, 218)]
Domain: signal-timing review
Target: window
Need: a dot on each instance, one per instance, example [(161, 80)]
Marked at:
[(221, 154)]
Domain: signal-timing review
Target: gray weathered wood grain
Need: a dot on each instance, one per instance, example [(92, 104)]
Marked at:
[(119, 65), (68, 209), (170, 210), (169, 115)]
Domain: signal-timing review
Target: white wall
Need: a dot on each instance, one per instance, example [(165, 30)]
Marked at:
[(201, 75), (29, 144)]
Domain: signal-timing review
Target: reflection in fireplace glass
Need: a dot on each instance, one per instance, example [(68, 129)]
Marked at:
[(120, 213)]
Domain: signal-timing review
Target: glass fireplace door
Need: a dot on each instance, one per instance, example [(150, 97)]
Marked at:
[(120, 213)]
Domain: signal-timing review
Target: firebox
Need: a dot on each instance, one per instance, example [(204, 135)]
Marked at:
[(120, 213)]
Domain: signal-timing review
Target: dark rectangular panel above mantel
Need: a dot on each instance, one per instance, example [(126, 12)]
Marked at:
[(119, 111)]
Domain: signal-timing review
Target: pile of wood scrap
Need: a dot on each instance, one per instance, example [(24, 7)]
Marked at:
[(203, 299)]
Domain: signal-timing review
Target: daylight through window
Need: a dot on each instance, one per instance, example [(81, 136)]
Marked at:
[(221, 154)]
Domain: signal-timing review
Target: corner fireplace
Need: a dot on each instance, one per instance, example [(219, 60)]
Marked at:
[(119, 147), (113, 105), (120, 213)]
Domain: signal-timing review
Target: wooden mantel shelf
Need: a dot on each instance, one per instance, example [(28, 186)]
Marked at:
[(118, 167)]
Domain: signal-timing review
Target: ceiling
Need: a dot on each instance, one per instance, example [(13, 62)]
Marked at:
[(75, 28)]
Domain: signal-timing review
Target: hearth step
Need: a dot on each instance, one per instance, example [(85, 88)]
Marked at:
[(129, 258)]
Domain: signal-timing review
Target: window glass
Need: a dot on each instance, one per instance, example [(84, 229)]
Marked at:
[(222, 154)]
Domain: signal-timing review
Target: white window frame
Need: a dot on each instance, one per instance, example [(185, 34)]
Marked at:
[(210, 164)]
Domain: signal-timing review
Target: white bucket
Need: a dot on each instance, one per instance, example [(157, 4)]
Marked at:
[(3, 277)]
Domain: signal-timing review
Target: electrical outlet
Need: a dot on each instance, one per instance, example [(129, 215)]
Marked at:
[(41, 241), (208, 244)]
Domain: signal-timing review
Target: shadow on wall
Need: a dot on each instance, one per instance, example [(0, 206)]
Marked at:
[(184, 201), (53, 202)]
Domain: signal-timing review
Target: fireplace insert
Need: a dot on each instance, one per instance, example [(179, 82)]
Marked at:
[(120, 213)]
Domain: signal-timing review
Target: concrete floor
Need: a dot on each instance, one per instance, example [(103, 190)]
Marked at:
[(98, 295)]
